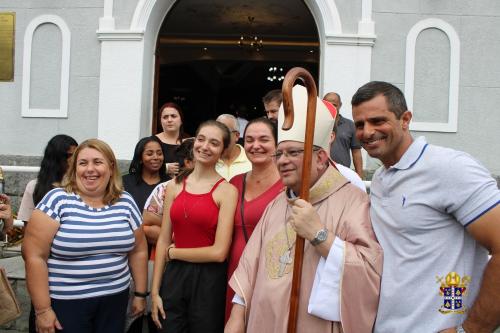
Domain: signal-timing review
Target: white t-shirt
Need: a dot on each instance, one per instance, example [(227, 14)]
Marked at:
[(27, 205), (352, 176)]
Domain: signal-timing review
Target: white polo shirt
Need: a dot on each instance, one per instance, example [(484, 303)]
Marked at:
[(419, 209), (240, 165)]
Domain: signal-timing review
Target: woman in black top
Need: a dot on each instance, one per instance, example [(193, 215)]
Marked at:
[(146, 170), (171, 119)]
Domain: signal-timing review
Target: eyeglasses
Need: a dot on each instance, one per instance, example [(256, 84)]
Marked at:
[(292, 153)]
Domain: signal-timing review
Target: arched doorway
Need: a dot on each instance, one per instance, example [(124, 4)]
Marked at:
[(210, 59), (127, 63)]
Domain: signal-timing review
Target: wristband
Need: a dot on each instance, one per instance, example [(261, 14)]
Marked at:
[(141, 295)]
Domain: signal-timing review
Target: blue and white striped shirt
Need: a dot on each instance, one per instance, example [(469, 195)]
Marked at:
[(89, 252)]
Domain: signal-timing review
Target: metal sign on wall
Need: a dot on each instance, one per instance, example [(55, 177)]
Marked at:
[(7, 32)]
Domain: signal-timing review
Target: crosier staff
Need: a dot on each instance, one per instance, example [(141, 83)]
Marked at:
[(293, 75)]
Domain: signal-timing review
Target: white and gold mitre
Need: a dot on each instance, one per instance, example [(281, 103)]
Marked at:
[(325, 118)]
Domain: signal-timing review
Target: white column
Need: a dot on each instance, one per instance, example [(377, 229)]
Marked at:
[(120, 91), (346, 66), (366, 25), (107, 21)]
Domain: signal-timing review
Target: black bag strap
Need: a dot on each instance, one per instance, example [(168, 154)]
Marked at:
[(242, 208)]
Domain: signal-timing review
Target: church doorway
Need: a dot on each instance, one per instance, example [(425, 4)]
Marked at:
[(220, 56)]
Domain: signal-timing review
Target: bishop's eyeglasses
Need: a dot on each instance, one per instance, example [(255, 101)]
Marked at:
[(292, 153)]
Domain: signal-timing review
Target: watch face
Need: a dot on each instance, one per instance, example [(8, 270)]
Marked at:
[(322, 235)]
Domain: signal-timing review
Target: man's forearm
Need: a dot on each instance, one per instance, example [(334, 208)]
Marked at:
[(236, 321), (484, 316), (357, 160)]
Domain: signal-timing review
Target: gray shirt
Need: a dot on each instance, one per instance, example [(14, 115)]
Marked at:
[(419, 209), (345, 140)]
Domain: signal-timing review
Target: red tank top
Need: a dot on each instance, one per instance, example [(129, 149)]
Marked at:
[(194, 218)]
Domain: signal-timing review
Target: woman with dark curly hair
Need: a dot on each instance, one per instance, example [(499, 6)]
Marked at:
[(146, 170)]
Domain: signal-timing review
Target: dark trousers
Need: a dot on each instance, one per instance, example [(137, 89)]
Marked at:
[(194, 296), (103, 314)]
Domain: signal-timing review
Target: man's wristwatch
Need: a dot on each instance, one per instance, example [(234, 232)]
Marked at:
[(460, 329), (321, 236)]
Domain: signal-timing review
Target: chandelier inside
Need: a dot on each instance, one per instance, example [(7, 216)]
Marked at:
[(275, 74), (250, 42)]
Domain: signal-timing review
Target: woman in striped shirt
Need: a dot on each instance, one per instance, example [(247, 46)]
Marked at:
[(78, 247)]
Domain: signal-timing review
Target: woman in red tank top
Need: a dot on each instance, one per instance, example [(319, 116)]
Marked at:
[(256, 189), (189, 294)]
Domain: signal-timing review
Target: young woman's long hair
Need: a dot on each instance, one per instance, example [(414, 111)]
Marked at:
[(54, 165), (136, 165), (226, 138)]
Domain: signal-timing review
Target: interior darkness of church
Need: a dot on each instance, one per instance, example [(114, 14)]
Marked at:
[(205, 89)]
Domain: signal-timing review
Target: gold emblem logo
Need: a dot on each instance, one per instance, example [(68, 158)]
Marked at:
[(453, 289)]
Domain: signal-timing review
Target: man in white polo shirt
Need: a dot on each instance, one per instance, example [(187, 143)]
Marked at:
[(234, 160), (436, 213)]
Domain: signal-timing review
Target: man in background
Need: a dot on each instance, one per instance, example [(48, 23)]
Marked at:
[(234, 159), (345, 142), (272, 101)]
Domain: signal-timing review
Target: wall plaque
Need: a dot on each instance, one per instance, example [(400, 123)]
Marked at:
[(7, 31)]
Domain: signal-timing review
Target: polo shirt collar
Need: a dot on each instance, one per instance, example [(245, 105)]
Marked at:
[(412, 154)]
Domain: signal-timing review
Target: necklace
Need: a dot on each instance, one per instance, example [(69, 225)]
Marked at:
[(286, 258), (186, 212)]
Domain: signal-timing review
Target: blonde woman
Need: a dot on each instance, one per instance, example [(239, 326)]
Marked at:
[(78, 247)]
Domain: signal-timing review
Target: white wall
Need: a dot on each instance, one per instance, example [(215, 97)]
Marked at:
[(476, 24), (28, 136)]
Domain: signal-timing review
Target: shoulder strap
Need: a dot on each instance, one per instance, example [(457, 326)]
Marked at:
[(184, 183), (216, 185)]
